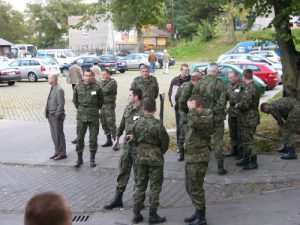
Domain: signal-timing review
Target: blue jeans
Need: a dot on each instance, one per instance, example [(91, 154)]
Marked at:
[(152, 67)]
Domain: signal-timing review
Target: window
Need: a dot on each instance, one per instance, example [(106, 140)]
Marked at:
[(252, 67), (223, 71), (89, 60), (14, 64), (34, 63), (24, 63)]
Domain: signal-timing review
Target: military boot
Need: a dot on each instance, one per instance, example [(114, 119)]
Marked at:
[(116, 202), (155, 218), (74, 141), (200, 218), (191, 218), (291, 154), (283, 149), (239, 155), (137, 216), (244, 161), (252, 163), (79, 160), (221, 169), (181, 154), (108, 141), (233, 152), (92, 159)]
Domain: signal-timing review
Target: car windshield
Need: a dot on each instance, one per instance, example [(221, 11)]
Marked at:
[(69, 53)]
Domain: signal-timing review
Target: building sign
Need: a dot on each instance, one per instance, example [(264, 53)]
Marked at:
[(169, 26)]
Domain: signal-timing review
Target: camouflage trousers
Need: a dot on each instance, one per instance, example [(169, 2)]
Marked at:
[(183, 126), (233, 131), (247, 142), (81, 131), (125, 164), (216, 143), (194, 180), (156, 176), (291, 126), (108, 120)]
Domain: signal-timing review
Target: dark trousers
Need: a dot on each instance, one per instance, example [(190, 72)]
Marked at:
[(57, 133), (177, 118)]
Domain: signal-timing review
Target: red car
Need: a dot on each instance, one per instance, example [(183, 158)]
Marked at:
[(261, 70)]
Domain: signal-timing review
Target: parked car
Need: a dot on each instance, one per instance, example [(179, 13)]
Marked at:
[(261, 70), (35, 68), (160, 59), (63, 56), (271, 55), (229, 58), (224, 69), (136, 60), (9, 75), (120, 62), (4, 61), (87, 62)]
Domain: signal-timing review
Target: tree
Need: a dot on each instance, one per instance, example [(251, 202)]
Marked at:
[(12, 24), (290, 58), (127, 14), (49, 23)]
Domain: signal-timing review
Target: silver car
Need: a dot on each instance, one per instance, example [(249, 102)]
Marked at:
[(136, 60), (35, 68)]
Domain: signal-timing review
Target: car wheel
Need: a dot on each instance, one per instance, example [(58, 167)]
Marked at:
[(122, 71), (11, 83), (32, 77), (65, 72)]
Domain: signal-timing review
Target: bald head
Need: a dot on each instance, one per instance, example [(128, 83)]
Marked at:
[(213, 69), (47, 208)]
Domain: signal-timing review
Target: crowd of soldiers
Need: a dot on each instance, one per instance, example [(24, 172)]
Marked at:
[(200, 104)]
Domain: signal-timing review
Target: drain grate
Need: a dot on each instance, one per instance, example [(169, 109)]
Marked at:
[(81, 218)]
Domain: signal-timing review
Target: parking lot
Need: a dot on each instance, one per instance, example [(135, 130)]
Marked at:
[(26, 100)]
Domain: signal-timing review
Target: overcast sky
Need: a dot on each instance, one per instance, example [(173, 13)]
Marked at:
[(21, 4)]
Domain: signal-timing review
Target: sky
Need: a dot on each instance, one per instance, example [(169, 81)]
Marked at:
[(20, 5)]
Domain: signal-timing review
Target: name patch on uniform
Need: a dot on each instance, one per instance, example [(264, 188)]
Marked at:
[(93, 93), (135, 118), (237, 90)]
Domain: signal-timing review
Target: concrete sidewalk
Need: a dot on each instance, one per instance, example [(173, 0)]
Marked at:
[(267, 196)]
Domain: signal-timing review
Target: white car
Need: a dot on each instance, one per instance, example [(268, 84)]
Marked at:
[(272, 55), (136, 60), (35, 68)]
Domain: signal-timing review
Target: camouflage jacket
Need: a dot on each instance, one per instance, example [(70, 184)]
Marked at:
[(151, 140), (248, 105), (88, 100), (233, 95), (212, 90), (109, 89), (130, 115), (184, 97), (283, 107), (197, 137), (148, 87)]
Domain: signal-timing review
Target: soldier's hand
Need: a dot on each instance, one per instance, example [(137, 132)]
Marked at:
[(116, 145), (129, 138)]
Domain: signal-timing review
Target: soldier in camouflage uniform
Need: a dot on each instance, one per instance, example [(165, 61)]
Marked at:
[(184, 92), (286, 112), (88, 100), (148, 84), (107, 113), (213, 93), (131, 114), (152, 141), (234, 90), (197, 141), (248, 120)]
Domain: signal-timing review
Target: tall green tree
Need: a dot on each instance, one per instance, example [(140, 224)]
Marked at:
[(290, 58), (128, 14), (12, 24), (49, 23)]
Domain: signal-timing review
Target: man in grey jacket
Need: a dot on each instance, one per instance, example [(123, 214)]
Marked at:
[(55, 113)]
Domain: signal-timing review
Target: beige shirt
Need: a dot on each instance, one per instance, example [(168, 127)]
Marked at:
[(75, 74)]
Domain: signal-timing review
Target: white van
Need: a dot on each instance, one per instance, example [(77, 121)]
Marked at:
[(23, 51), (63, 56)]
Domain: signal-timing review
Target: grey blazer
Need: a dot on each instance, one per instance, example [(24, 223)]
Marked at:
[(56, 102)]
